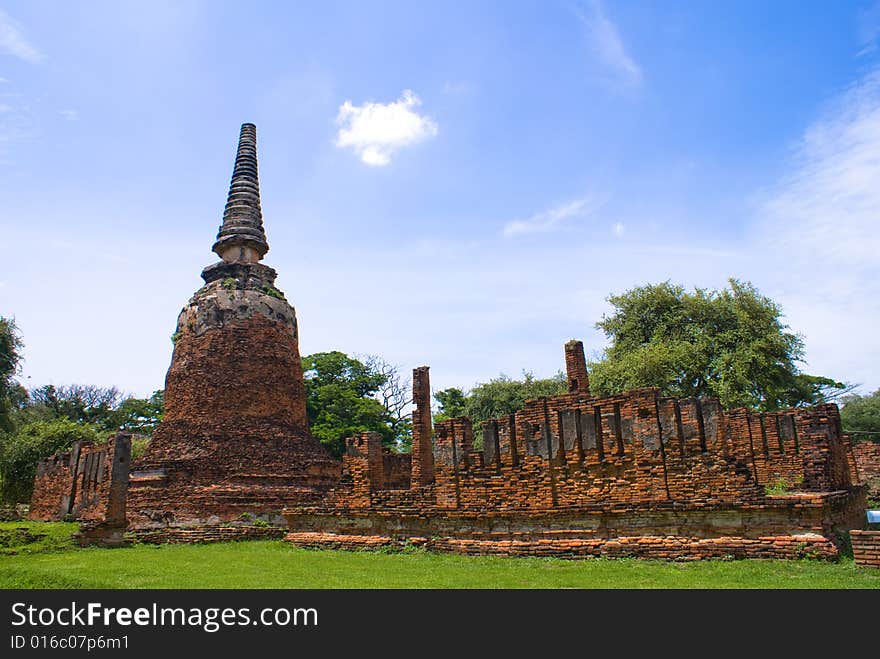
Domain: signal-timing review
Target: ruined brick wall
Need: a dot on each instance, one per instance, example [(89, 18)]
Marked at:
[(573, 450), (866, 459), (89, 482), (397, 469), (601, 457), (630, 474), (866, 548), (53, 486), (368, 469)]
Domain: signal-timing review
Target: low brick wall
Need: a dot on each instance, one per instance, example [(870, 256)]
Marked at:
[(807, 545), (197, 535), (866, 548), (808, 525)]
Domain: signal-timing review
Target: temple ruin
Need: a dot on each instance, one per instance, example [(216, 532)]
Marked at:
[(634, 474), (235, 435)]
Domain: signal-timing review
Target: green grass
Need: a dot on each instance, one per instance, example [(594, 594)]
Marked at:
[(35, 537), (276, 564)]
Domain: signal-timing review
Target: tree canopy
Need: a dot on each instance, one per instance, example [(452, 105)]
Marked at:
[(731, 344), (860, 415), (343, 398), (10, 358), (21, 451), (497, 397)]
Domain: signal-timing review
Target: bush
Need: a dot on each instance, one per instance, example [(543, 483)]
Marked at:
[(23, 449), (778, 487), (139, 446)]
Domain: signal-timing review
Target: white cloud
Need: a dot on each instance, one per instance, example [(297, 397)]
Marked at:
[(13, 41), (607, 44), (548, 220), (618, 229), (70, 115), (829, 205), (818, 228), (375, 131)]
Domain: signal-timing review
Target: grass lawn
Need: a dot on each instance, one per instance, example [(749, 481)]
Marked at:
[(52, 562)]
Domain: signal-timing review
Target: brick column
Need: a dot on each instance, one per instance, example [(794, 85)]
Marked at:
[(422, 448), (576, 368)]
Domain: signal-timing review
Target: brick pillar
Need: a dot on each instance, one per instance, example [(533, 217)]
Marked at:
[(120, 454), (491, 443), (576, 368), (364, 466), (422, 449)]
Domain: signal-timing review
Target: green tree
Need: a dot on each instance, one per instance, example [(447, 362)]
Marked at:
[(341, 400), (84, 403), (729, 343), (860, 415), (138, 416), (10, 360), (453, 403), (22, 450), (498, 397)]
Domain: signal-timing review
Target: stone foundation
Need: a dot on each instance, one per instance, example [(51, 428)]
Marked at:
[(807, 545), (201, 535)]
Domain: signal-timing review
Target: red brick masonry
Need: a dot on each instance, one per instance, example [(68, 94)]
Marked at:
[(866, 547), (634, 474), (198, 535), (867, 462), (807, 545)]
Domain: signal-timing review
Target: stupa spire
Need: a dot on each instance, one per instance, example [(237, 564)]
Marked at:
[(241, 237)]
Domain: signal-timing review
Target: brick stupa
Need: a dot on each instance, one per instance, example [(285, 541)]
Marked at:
[(235, 434)]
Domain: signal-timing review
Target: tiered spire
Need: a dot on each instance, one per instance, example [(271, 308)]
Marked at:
[(241, 237)]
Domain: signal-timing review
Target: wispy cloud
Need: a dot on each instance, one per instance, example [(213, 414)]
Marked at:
[(829, 205), (549, 220), (13, 41), (818, 228), (375, 131), (869, 29), (618, 229), (607, 44), (70, 115)]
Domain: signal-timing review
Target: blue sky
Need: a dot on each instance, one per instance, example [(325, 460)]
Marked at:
[(455, 184)]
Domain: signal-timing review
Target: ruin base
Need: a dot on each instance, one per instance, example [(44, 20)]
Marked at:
[(797, 526)]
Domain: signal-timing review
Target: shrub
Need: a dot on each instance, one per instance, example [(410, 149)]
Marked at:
[(22, 450), (778, 487), (139, 446)]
